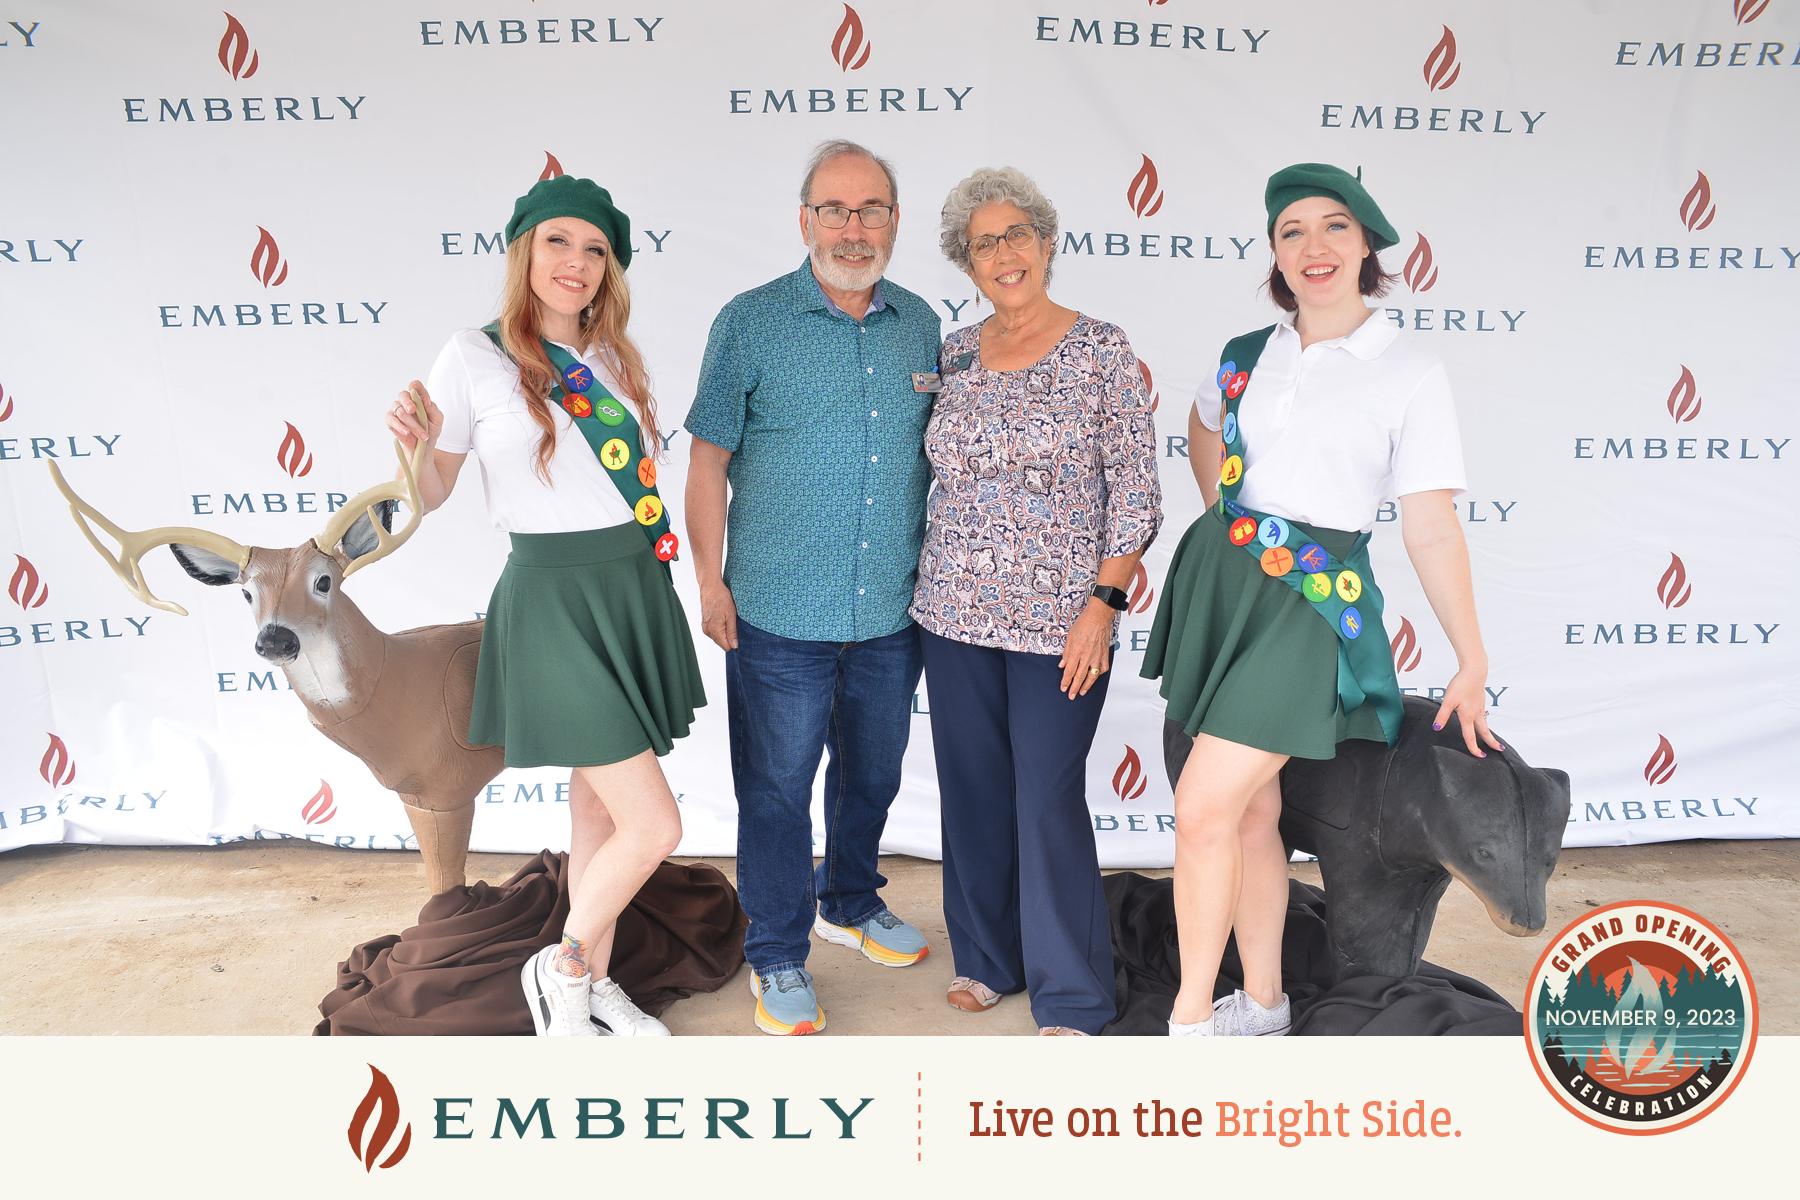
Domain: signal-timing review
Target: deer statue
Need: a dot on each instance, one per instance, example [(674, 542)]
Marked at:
[(399, 702)]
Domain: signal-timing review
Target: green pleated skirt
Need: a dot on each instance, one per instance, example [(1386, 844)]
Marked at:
[(586, 657), (1243, 656)]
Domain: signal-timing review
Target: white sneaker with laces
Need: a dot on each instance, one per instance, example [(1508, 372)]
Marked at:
[(1222, 1023), (558, 1002), (617, 1016), (1253, 1020)]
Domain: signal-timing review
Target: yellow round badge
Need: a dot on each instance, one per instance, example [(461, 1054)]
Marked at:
[(649, 510), (1349, 586), (615, 454), (1232, 471), (1317, 588)]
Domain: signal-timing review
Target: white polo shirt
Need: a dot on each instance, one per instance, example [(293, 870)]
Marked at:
[(1334, 430), (478, 388)]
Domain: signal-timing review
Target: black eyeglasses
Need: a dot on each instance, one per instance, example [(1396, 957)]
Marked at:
[(1017, 236), (836, 216)]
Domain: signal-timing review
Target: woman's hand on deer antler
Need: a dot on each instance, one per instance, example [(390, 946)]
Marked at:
[(404, 424)]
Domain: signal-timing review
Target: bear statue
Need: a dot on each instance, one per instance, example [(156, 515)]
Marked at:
[(1390, 826)]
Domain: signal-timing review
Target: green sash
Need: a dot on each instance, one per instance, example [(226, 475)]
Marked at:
[(1342, 591), (617, 441)]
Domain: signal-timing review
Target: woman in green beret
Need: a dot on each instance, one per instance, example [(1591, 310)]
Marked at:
[(586, 660), (1268, 640)]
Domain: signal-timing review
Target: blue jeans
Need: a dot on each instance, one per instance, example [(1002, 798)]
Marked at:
[(789, 701)]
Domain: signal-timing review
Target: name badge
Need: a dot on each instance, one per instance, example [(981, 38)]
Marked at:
[(927, 381), (961, 362)]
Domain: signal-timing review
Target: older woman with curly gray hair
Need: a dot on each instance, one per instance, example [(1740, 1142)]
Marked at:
[(1044, 455)]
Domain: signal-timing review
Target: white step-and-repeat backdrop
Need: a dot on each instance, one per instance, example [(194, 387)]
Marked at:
[(227, 238)]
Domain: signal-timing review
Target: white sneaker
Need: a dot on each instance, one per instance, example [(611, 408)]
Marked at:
[(558, 1002), (617, 1016), (1250, 1019), (1223, 1022)]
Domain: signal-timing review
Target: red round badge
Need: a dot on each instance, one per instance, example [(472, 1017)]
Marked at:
[(1277, 560), (1238, 383), (578, 406), (666, 546), (1243, 531)]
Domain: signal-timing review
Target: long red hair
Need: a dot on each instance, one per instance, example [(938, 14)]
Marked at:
[(603, 325)]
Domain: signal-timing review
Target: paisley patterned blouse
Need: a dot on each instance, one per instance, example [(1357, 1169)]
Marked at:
[(1040, 474)]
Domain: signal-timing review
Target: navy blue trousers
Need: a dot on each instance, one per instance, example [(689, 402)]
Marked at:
[(1022, 895)]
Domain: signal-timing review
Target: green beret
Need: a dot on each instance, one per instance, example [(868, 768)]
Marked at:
[(567, 196), (1322, 179)]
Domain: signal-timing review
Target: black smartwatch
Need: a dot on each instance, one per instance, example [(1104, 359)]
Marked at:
[(1111, 596)]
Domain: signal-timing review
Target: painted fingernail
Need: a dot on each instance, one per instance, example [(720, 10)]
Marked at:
[(1501, 748), (1437, 724), (1479, 754)]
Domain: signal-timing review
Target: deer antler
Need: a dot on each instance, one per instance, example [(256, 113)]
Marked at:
[(405, 488), (127, 564)]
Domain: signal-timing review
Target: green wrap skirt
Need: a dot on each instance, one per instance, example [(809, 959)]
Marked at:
[(586, 657), (1243, 656)]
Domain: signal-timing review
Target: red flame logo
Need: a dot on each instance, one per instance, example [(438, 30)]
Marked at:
[(6, 404), (1420, 271), (1441, 67), (1661, 765), (1149, 384), (320, 808), (1405, 646), (1684, 398), (1138, 599), (380, 1095), (552, 168), (235, 54), (57, 768), (292, 457), (1128, 781), (265, 260), (1697, 208), (848, 48), (1747, 11), (26, 589), (1143, 194), (1673, 588)]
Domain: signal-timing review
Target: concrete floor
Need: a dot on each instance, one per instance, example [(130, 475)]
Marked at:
[(245, 938)]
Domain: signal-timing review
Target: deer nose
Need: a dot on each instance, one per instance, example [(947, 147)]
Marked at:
[(277, 643)]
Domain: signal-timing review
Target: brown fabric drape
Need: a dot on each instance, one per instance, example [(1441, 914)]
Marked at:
[(457, 970)]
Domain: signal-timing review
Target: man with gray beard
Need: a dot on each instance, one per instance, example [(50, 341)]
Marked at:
[(811, 407)]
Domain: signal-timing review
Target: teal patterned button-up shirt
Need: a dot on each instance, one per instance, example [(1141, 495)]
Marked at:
[(828, 473)]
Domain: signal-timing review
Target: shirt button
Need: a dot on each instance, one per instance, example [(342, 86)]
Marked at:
[(865, 545), (859, 591), (868, 499), (874, 458), (870, 370), (874, 412)]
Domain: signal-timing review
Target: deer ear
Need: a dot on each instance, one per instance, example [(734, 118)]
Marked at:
[(211, 569), (360, 538)]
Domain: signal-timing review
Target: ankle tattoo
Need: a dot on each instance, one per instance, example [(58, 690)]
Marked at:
[(571, 956)]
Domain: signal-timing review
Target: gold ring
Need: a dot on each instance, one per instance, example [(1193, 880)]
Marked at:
[(1093, 670)]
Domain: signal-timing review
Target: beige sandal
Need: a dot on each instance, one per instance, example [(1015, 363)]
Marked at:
[(1059, 1031), (971, 995)]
